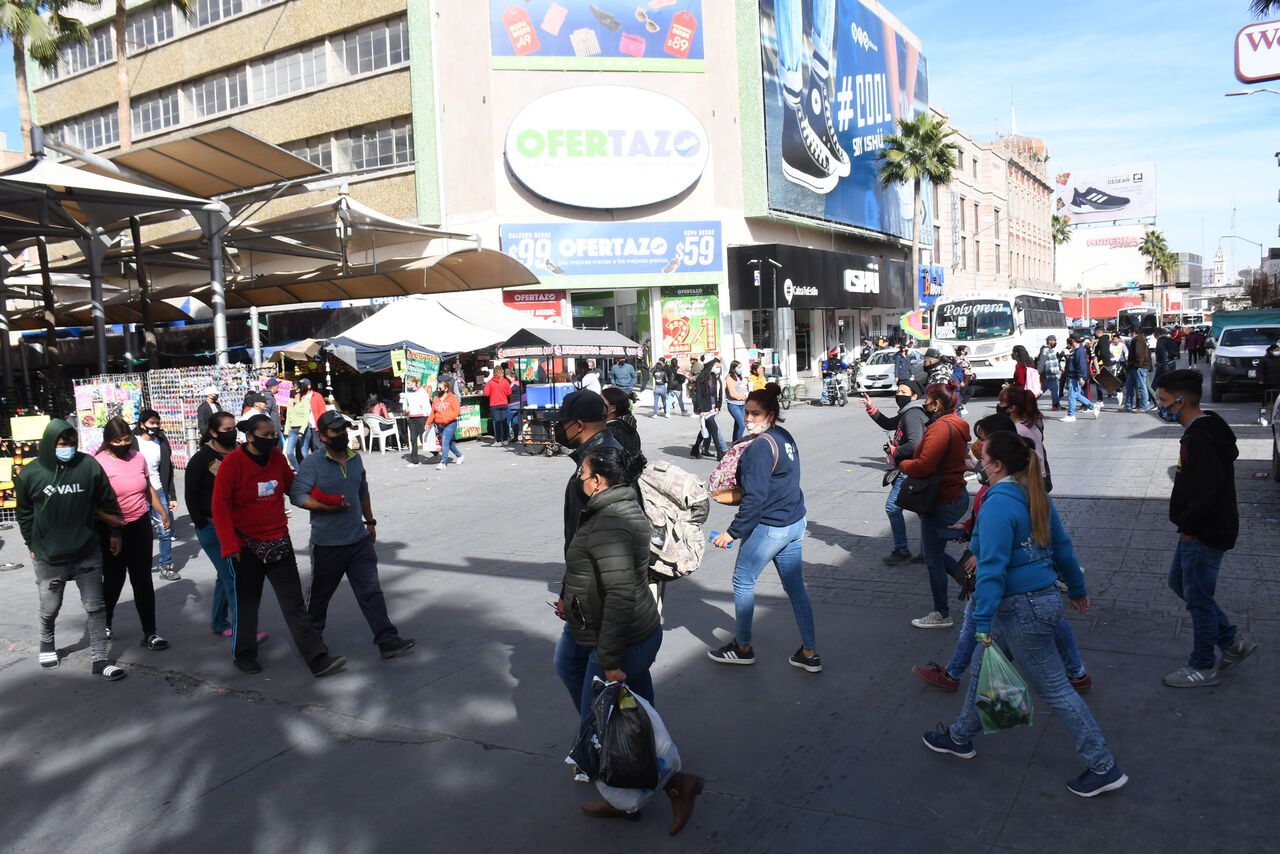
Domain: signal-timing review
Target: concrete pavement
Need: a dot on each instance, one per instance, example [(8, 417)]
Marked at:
[(459, 746)]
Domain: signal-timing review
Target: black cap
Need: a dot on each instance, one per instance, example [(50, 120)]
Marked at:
[(329, 420), (583, 405), (915, 387), (931, 353), (304, 383)]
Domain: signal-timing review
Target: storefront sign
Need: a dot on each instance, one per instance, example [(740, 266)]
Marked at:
[(468, 422), (606, 147), (425, 366), (815, 278), (930, 279), (606, 254), (578, 35), (690, 320), (544, 305)]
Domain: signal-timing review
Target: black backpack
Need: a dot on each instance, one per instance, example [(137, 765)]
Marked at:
[(659, 375)]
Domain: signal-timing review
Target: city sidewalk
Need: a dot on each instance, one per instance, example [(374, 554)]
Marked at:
[(459, 746)]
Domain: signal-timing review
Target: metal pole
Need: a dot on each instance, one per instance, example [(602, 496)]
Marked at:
[(6, 353), (149, 346), (52, 364), (94, 249), (218, 297), (255, 336)]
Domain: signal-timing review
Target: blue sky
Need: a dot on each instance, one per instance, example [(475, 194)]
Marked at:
[(1107, 83)]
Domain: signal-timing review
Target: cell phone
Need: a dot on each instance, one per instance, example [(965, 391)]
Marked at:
[(713, 536)]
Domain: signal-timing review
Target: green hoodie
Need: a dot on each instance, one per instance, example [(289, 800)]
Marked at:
[(57, 501)]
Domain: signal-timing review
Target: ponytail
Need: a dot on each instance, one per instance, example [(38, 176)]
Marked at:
[(1017, 455)]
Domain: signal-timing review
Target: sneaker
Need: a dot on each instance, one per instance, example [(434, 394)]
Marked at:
[(155, 642), (248, 665), (940, 741), (731, 653), (1055, 408), (168, 573), (918, 558), (614, 25), (1240, 649), (324, 665), (1094, 199), (1091, 784), (674, 264), (1190, 677), (896, 557), (393, 648), (932, 620), (440, 467), (1080, 683), (460, 460), (936, 675), (818, 108), (226, 633), (1069, 419), (553, 267), (811, 663), (805, 159)]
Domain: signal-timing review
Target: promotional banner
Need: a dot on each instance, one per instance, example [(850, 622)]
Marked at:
[(424, 366), (690, 320), (544, 305), (609, 254), (815, 278), (607, 35), (832, 92), (930, 280), (1106, 195)]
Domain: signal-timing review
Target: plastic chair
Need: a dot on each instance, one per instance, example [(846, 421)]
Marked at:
[(355, 433), (381, 429)]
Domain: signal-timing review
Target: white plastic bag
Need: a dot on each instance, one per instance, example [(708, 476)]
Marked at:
[(631, 800)]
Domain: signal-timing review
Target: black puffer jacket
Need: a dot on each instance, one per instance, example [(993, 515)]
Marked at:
[(606, 581)]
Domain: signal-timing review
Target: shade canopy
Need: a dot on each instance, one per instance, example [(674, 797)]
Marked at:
[(295, 351), (561, 341)]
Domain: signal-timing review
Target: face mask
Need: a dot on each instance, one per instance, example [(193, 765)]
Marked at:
[(226, 438), (1168, 413), (339, 442), (561, 435), (153, 431), (755, 428), (64, 454), (1002, 408), (902, 399), (984, 476), (263, 444), (716, 370), (120, 451)]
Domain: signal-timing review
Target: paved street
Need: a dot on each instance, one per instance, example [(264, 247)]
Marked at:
[(459, 746)]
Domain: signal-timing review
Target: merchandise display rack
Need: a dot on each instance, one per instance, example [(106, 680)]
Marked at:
[(176, 394)]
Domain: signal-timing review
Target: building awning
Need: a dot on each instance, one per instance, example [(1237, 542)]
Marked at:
[(562, 341), (122, 308)]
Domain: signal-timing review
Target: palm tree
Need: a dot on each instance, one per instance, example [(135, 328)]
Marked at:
[(919, 150), (1061, 229), (39, 29), (1262, 8), (1154, 249), (123, 95)]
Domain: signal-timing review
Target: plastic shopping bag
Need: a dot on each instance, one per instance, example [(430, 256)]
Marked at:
[(627, 756), (1003, 700)]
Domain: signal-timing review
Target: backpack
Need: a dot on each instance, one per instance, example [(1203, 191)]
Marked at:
[(724, 480), (677, 504), (659, 376), (1033, 382)]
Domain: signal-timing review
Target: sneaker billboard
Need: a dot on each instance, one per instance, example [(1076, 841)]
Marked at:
[(1110, 195)]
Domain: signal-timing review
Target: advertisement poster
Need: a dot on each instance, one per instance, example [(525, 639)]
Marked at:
[(424, 366), (930, 281), (548, 306), (98, 402), (605, 35), (1106, 195), (468, 422), (831, 95), (609, 254), (690, 320)]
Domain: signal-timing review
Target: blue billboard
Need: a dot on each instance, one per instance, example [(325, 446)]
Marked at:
[(617, 254), (832, 92)]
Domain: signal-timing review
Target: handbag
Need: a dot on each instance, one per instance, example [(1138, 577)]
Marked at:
[(920, 494), (724, 480), (269, 551)]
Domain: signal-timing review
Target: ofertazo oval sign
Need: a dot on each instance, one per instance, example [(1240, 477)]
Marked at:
[(606, 147)]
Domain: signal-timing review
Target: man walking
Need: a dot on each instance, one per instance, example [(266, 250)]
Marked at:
[(676, 379), (333, 486), (624, 375), (1203, 507), (1135, 381), (1047, 365), (904, 363), (1166, 355), (1077, 374), (660, 387)]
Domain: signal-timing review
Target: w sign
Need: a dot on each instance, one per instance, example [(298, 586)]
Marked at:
[(1258, 52)]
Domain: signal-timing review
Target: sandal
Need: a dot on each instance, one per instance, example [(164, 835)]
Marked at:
[(109, 672), (49, 660), (155, 642)]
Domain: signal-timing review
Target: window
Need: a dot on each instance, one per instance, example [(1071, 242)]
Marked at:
[(964, 254), (155, 112), (975, 168), (318, 149), (963, 227), (219, 93), (149, 27), (90, 131), (99, 49), (387, 144), (996, 227), (959, 161), (997, 256), (977, 256), (289, 72), (210, 11), (379, 46), (975, 217), (937, 244)]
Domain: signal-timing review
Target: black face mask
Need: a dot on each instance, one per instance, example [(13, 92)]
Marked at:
[(902, 399), (339, 442), (561, 435), (120, 451), (982, 477), (225, 438), (153, 431), (263, 444), (1002, 409)]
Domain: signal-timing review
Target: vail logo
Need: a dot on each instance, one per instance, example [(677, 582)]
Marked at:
[(861, 39), (62, 489)]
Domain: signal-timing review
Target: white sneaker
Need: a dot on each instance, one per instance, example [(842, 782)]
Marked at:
[(440, 467), (460, 460), (932, 620), (1069, 418)]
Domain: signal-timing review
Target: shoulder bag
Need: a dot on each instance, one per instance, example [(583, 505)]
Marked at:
[(724, 480), (920, 494)]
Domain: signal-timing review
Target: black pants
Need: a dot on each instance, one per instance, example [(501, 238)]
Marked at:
[(283, 575), (417, 426), (134, 560), (711, 444), (359, 563)]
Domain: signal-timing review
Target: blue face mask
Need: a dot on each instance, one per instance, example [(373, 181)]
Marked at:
[(1168, 413), (65, 454)]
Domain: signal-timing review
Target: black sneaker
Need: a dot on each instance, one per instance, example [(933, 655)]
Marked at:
[(324, 665), (811, 663), (393, 648), (896, 557), (731, 653), (805, 159), (1094, 199), (248, 665), (818, 108)]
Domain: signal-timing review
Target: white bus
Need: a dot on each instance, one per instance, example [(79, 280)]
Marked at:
[(1148, 318), (992, 323)]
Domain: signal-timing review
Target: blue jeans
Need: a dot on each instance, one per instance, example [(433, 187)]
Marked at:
[(297, 445), (783, 547), (1194, 577), (738, 412), (447, 445), (576, 665), (659, 394), (500, 419), (933, 543), (1135, 388), (678, 394), (163, 534), (1052, 383), (1065, 640), (1029, 622), (1075, 395), (224, 585), (897, 522), (789, 19)]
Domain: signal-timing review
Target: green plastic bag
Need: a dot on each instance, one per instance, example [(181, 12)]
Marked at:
[(1003, 700)]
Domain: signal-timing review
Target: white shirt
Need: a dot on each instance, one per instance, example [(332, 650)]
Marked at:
[(592, 381), (417, 403), (151, 453)]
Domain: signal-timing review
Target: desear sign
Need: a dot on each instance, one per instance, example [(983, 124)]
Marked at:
[(606, 147)]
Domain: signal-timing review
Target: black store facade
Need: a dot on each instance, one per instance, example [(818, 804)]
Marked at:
[(795, 303)]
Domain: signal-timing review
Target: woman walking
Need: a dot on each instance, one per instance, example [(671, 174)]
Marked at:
[(248, 515), (1021, 547), (297, 443), (735, 389), (154, 447), (708, 398), (1020, 406), (1022, 362), (444, 416), (127, 471), (498, 390), (612, 628), (771, 524), (942, 449)]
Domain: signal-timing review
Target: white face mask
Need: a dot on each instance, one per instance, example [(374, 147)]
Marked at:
[(755, 428)]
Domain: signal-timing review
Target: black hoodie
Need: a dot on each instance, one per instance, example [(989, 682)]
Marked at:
[(57, 501), (1203, 502)]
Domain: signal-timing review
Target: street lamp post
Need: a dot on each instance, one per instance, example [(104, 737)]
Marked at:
[(1245, 239), (1085, 294)]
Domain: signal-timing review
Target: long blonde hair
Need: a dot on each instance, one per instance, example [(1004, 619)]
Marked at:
[(1016, 454)]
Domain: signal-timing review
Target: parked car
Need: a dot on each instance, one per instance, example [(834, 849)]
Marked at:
[(876, 374), (1234, 364)]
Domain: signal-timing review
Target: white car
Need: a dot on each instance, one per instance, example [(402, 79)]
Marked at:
[(876, 374), (1234, 363)]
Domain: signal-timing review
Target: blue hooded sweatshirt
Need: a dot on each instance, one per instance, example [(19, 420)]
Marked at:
[(1009, 559)]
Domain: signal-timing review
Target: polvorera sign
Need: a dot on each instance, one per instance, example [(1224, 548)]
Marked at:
[(817, 278), (606, 147)]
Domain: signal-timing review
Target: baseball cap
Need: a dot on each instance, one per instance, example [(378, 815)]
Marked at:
[(209, 389), (330, 420), (582, 405), (272, 383), (931, 353)]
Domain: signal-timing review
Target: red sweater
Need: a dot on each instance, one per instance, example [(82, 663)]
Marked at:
[(249, 499), (936, 452)]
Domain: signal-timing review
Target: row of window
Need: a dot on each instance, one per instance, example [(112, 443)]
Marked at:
[(368, 49), (376, 146)]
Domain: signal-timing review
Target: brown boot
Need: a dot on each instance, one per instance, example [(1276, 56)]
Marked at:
[(604, 809), (682, 788)]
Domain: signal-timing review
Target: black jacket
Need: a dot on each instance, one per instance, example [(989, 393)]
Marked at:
[(1269, 371), (708, 393), (574, 501), (198, 484), (1203, 501), (907, 426), (1166, 350), (166, 464), (203, 413), (606, 595)]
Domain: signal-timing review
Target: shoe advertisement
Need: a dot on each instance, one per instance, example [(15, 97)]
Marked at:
[(837, 77), (607, 35), (617, 254), (1106, 195)]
